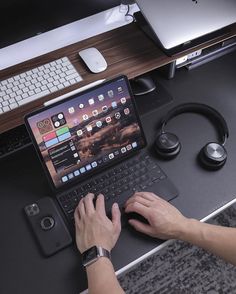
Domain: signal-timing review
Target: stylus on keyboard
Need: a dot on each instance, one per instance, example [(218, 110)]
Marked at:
[(37, 83)]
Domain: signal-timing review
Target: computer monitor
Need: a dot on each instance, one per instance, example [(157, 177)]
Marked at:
[(22, 19), (33, 28)]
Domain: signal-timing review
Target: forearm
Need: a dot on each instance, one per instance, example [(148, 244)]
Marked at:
[(102, 278), (219, 240)]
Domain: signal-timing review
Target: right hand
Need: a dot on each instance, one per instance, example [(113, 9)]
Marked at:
[(165, 221)]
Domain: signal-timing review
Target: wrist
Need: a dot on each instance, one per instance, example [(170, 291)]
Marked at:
[(186, 229), (99, 264)]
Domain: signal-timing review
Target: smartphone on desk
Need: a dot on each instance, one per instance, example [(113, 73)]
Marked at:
[(48, 226)]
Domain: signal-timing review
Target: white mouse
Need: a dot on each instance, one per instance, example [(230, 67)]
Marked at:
[(93, 59)]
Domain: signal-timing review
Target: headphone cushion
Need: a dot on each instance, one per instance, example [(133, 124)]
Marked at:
[(213, 155), (167, 145)]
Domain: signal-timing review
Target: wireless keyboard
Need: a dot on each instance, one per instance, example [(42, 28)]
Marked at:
[(37, 83), (117, 185)]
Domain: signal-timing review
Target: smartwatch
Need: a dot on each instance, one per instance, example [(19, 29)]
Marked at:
[(93, 254)]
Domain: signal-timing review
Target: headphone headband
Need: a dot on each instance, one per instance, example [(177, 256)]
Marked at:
[(203, 109)]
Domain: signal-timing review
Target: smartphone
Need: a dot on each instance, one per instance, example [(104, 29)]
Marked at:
[(48, 226)]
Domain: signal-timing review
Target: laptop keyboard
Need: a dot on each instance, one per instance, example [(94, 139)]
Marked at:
[(117, 185)]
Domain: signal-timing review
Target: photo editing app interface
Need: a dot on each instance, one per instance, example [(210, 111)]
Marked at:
[(87, 132)]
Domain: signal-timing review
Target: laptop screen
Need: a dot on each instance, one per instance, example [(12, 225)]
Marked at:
[(87, 131)]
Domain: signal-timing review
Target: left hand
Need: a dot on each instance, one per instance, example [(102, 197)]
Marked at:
[(93, 227)]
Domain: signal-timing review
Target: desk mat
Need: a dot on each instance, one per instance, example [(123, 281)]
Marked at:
[(181, 268)]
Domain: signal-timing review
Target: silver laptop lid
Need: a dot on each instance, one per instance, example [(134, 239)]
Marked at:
[(176, 22)]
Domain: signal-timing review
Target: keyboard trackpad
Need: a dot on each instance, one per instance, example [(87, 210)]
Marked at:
[(164, 189)]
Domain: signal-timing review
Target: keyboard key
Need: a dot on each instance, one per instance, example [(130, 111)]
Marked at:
[(23, 75), (72, 82), (8, 91), (25, 95), (78, 79), (19, 92), (44, 82), (10, 80), (16, 78), (30, 93), (6, 97), (62, 75), (53, 89), (38, 85), (15, 89), (31, 87), (12, 100), (22, 80), (35, 70), (49, 85), (13, 105), (5, 103), (55, 83), (59, 61), (60, 86), (6, 108), (37, 90)]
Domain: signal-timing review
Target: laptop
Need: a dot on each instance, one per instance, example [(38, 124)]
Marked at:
[(186, 23), (94, 142)]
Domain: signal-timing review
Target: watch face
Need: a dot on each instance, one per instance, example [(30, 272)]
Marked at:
[(90, 255)]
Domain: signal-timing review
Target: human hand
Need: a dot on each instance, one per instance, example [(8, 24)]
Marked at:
[(92, 225), (165, 221)]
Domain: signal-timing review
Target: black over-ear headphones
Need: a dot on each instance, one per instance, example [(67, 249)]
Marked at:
[(213, 155)]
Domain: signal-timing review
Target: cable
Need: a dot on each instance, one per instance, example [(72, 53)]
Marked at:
[(128, 14)]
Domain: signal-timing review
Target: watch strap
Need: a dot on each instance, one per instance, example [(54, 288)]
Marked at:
[(102, 252), (97, 252)]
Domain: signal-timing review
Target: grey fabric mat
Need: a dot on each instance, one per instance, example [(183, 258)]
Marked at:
[(184, 269)]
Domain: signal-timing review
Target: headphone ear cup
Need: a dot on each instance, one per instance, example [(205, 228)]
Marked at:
[(213, 156), (167, 145)]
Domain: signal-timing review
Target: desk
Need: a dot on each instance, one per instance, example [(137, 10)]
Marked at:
[(127, 50), (24, 270)]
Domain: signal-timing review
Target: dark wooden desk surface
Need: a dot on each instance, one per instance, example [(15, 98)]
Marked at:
[(127, 50)]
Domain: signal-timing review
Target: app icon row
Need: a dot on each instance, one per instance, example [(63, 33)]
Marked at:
[(78, 172), (91, 101), (99, 123), (94, 164), (117, 114)]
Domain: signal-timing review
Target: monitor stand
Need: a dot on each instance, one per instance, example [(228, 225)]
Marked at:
[(142, 85), (154, 99)]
